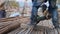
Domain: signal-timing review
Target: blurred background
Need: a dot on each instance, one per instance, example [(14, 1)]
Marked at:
[(19, 7)]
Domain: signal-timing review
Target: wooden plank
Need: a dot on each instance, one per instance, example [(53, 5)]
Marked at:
[(2, 25), (9, 19), (38, 27), (10, 27)]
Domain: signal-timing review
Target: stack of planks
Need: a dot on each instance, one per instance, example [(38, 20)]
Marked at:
[(37, 30), (44, 27), (9, 24)]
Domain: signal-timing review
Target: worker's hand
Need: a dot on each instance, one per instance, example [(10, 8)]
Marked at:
[(47, 14)]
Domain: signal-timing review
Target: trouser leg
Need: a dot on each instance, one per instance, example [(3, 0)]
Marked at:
[(34, 15), (53, 10), (55, 20), (35, 8)]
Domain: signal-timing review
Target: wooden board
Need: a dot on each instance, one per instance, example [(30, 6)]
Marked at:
[(8, 24)]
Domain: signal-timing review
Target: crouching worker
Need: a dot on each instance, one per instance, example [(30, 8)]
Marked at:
[(52, 9)]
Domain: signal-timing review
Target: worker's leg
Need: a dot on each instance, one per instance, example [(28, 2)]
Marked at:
[(53, 11), (55, 18), (34, 15), (34, 12), (36, 5)]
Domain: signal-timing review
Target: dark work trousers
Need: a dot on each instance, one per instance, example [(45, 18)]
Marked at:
[(2, 14), (52, 10)]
